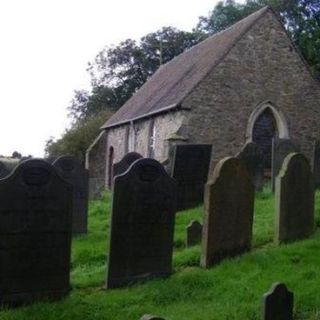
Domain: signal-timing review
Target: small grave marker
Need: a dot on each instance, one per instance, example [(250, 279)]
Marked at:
[(150, 317), (277, 304), (194, 231)]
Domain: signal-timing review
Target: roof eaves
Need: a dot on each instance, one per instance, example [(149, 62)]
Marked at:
[(149, 114)]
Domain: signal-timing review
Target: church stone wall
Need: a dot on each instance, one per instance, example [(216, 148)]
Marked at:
[(262, 66), (165, 126)]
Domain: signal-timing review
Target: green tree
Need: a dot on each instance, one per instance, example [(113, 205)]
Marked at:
[(126, 67), (301, 18), (76, 140)]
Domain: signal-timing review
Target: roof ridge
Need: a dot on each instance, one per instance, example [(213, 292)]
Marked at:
[(166, 79)]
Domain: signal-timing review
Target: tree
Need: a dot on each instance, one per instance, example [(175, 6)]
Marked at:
[(85, 104), (123, 69), (76, 140), (301, 18)]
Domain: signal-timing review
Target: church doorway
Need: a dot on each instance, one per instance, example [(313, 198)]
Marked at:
[(264, 130)]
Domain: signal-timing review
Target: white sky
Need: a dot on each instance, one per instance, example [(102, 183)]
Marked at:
[(45, 47)]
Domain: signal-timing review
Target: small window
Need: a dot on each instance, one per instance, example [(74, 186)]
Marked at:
[(131, 138)]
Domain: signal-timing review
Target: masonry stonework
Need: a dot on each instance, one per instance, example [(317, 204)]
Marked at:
[(262, 67), (259, 67)]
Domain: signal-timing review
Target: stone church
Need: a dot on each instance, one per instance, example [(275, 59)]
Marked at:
[(246, 83)]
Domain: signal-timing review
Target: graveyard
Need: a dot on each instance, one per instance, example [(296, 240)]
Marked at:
[(232, 289), (198, 199)]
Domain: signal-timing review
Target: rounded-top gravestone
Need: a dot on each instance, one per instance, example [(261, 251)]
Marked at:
[(294, 198), (72, 171), (124, 164), (35, 234), (228, 212), (142, 224)]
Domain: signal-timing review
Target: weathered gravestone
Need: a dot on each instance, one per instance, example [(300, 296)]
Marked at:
[(190, 169), (277, 304), (35, 234), (7, 165), (294, 198), (72, 171), (124, 164), (228, 212), (143, 212), (280, 149), (3, 170), (316, 163), (253, 159), (150, 317), (194, 231)]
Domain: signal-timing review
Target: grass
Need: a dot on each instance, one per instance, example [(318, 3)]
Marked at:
[(231, 290)]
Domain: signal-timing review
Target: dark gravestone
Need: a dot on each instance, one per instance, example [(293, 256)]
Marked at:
[(277, 304), (7, 165), (190, 169), (252, 157), (194, 231), (228, 212), (294, 199), (143, 212), (72, 171), (280, 149), (124, 164), (3, 170), (150, 317), (35, 234), (316, 163)]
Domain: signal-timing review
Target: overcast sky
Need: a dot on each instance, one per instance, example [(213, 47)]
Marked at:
[(45, 48)]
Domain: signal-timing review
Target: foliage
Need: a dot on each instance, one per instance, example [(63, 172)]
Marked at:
[(301, 18), (119, 71), (75, 141), (124, 68)]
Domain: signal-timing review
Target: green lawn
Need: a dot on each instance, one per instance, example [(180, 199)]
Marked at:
[(231, 290)]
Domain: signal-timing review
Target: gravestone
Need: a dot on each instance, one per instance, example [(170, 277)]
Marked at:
[(277, 304), (194, 231), (190, 169), (280, 149), (316, 163), (252, 158), (35, 234), (124, 164), (3, 170), (294, 199), (150, 317), (228, 212), (143, 212), (7, 165), (72, 171)]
